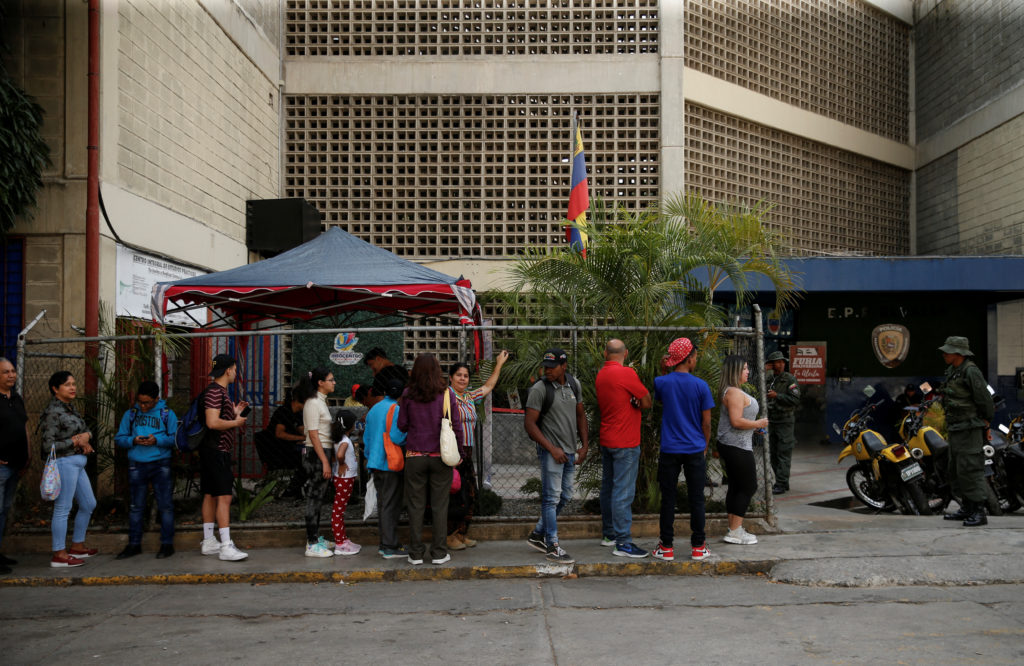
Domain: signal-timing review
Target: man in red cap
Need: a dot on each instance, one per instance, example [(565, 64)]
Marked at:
[(685, 434)]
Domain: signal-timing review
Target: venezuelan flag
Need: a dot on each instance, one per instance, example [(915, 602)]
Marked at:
[(579, 195)]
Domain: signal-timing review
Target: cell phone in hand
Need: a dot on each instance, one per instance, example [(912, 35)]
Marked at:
[(245, 412)]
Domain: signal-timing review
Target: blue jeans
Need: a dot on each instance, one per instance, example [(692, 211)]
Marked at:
[(8, 487), (74, 485), (140, 475), (556, 491), (619, 468), (693, 468)]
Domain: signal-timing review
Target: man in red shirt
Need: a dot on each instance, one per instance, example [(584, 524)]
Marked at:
[(620, 397)]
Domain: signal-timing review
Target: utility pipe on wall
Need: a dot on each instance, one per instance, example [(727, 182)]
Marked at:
[(92, 206)]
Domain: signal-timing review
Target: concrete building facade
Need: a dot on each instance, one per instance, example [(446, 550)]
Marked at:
[(440, 129)]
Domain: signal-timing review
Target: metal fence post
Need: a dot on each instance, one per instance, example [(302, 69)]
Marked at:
[(20, 361)]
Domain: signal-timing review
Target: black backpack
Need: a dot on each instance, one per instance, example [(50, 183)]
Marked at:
[(549, 395)]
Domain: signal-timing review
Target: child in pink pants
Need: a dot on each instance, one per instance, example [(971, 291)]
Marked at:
[(346, 468)]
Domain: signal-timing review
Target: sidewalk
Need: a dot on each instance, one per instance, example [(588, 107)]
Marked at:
[(816, 545)]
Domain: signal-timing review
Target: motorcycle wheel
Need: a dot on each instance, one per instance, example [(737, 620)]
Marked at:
[(995, 508), (914, 497), (864, 489)]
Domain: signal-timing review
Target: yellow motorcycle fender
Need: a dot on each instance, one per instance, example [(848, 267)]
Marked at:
[(848, 451)]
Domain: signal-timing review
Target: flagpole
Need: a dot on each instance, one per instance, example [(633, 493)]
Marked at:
[(572, 144)]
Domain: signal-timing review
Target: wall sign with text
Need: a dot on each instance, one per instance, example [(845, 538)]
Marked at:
[(807, 362)]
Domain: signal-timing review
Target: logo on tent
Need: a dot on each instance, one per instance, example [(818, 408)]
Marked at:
[(343, 354)]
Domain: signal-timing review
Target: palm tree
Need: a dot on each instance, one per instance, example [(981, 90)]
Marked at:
[(656, 267)]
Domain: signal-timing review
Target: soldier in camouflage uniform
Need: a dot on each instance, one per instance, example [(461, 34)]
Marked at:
[(969, 410), (783, 399)]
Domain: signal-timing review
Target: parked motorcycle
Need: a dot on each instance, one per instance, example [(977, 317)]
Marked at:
[(1004, 465), (884, 476), (931, 450)]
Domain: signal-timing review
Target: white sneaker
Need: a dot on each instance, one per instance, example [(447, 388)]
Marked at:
[(740, 536), (210, 546), (317, 550), (441, 560), (346, 547), (329, 545), (229, 553)]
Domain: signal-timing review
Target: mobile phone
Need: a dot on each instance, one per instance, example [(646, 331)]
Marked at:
[(245, 412)]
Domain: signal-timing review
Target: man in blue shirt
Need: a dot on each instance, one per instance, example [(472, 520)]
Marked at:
[(685, 434), (147, 430)]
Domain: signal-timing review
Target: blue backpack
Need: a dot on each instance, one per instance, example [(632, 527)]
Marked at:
[(192, 428)]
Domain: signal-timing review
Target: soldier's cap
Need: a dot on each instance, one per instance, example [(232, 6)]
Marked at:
[(775, 356), (957, 344), (553, 358)]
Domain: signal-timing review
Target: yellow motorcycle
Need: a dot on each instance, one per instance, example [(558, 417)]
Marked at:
[(931, 450), (883, 476)]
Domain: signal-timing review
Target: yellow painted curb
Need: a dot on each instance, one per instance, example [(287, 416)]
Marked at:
[(418, 573)]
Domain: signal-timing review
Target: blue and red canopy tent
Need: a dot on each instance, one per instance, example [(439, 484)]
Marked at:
[(331, 274)]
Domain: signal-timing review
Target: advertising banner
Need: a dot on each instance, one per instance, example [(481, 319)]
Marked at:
[(807, 362)]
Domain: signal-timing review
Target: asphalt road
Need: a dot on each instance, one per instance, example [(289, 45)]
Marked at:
[(645, 619)]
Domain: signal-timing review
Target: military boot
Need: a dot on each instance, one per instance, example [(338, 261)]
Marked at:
[(977, 516), (960, 514)]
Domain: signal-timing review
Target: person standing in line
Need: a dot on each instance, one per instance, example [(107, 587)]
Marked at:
[(65, 432), (147, 431), (620, 397), (969, 411), (426, 475), (783, 399), (736, 425), (216, 481), (383, 370), (345, 470), (14, 448), (387, 482), (317, 455), (554, 419), (685, 435), (467, 400)]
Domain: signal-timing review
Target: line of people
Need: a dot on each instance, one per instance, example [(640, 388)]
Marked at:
[(408, 418), (555, 420)]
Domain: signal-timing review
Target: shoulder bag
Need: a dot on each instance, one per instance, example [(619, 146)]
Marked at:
[(449, 444)]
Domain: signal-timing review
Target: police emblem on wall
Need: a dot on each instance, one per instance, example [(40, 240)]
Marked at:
[(891, 343)]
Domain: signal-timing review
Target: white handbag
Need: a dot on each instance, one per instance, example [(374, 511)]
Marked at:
[(449, 444)]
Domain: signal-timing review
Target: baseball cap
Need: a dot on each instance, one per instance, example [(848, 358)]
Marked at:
[(221, 363), (554, 357), (678, 351)]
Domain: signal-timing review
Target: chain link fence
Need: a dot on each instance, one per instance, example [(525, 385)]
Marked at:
[(505, 457)]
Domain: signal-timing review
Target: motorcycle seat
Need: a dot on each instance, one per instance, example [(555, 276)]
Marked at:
[(935, 442), (873, 443)]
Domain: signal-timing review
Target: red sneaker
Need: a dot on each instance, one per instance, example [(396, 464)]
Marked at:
[(700, 552), (83, 553), (663, 553), (66, 561)]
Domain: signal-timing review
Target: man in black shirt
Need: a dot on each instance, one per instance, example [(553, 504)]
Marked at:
[(13, 447), (383, 370)]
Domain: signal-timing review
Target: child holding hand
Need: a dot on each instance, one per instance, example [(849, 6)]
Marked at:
[(346, 468)]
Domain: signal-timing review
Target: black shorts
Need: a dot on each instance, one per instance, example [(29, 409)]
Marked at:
[(215, 476)]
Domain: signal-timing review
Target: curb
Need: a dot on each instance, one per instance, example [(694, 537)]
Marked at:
[(418, 573)]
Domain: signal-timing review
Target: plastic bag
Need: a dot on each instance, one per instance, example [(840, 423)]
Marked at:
[(49, 484), (370, 500)]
